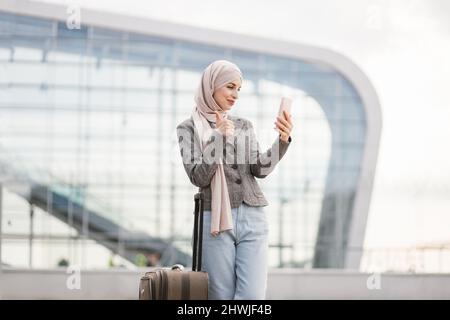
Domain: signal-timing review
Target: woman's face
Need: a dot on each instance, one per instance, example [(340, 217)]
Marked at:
[(227, 95)]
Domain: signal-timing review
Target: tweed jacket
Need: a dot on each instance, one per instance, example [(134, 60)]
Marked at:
[(240, 155)]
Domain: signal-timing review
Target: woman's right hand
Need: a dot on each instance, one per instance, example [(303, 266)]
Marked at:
[(224, 126)]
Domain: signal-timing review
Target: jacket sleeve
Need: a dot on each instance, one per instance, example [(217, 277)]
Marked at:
[(261, 164), (199, 165)]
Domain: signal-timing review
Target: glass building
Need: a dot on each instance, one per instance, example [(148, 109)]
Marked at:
[(90, 169)]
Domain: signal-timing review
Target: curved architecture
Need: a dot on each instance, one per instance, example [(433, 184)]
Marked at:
[(97, 106)]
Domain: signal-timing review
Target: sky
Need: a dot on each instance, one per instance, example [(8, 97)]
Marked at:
[(403, 47)]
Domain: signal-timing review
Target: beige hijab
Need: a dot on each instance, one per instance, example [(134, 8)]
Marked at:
[(216, 75)]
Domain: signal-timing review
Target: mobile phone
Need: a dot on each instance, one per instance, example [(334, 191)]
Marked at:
[(285, 104)]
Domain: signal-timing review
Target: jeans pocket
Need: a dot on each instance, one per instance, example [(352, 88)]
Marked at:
[(257, 220)]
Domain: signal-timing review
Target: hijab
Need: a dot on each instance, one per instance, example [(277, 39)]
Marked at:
[(216, 75)]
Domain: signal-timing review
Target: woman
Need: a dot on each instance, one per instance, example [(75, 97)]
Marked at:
[(221, 156)]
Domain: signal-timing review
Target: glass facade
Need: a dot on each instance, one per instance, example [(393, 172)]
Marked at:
[(90, 167)]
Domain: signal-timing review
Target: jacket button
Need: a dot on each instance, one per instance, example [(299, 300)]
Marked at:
[(234, 166), (238, 181)]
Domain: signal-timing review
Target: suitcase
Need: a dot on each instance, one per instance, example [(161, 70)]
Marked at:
[(174, 283)]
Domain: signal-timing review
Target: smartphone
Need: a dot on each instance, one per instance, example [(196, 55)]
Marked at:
[(285, 104)]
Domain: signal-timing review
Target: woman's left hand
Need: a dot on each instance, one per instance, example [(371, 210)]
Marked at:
[(284, 126)]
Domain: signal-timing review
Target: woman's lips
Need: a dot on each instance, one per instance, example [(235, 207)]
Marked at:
[(230, 102)]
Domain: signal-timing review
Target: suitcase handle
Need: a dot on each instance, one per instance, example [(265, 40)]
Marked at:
[(177, 267), (198, 232)]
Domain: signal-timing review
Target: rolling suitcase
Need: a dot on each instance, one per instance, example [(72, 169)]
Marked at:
[(174, 283)]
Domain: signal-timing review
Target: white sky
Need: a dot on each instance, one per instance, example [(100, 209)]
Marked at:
[(403, 46)]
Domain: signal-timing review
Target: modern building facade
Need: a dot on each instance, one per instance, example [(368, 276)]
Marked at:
[(90, 168)]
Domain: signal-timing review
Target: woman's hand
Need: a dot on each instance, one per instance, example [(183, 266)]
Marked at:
[(224, 126), (284, 126)]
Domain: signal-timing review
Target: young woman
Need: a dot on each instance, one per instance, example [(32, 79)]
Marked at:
[(221, 156)]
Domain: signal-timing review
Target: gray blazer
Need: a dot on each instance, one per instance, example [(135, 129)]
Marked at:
[(241, 156)]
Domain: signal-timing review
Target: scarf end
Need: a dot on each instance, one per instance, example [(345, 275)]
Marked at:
[(216, 233)]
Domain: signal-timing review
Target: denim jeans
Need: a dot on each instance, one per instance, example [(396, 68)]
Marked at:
[(236, 260)]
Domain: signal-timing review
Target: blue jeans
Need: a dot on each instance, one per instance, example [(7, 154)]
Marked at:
[(236, 260)]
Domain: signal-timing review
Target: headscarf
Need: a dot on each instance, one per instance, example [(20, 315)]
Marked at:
[(216, 75)]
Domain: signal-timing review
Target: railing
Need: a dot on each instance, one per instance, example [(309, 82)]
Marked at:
[(15, 169), (420, 259), (429, 258), (22, 177)]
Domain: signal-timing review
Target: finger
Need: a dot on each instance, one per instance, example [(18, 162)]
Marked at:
[(286, 133), (286, 114), (284, 122), (282, 134), (289, 118), (281, 126), (280, 131)]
